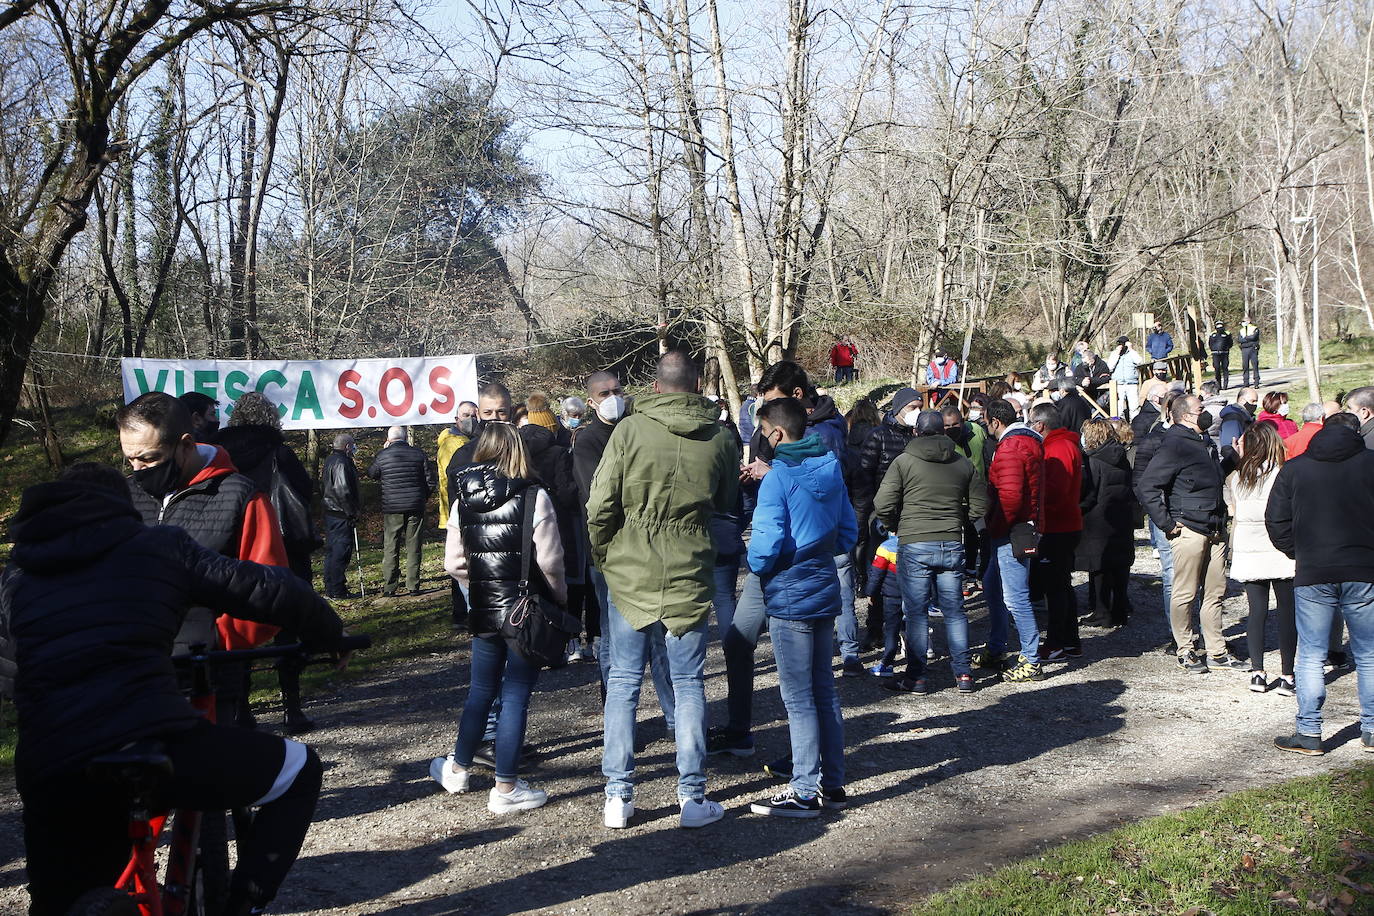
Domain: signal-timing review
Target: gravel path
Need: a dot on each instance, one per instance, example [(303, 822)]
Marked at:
[(944, 786)]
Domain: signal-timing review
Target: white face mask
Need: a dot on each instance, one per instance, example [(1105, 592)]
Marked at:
[(975, 414), (724, 415), (611, 408), (1283, 410), (1016, 386), (911, 417), (1056, 395)]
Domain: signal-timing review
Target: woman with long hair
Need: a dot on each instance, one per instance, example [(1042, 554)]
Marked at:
[(1106, 547), (484, 550), (1274, 409), (1255, 561)]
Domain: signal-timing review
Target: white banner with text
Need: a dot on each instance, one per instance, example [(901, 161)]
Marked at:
[(319, 394)]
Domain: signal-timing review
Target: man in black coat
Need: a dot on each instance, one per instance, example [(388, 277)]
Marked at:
[(91, 603), (341, 501), (407, 482), (1321, 513), (1094, 377), (1182, 491), (1074, 409), (1219, 345)]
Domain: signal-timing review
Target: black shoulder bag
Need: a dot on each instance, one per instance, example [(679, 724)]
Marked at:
[(537, 627)]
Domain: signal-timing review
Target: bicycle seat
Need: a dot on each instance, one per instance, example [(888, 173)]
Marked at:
[(138, 766)]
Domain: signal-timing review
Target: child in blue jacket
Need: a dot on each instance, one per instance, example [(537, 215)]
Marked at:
[(803, 519)]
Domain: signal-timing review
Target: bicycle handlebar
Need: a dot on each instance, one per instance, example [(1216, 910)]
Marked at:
[(217, 656)]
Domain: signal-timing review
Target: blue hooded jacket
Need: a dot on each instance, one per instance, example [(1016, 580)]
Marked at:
[(802, 521)]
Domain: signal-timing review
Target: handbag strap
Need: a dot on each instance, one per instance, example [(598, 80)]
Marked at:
[(527, 539)]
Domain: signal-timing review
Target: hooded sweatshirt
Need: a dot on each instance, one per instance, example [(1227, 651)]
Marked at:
[(92, 601), (930, 492), (1318, 516), (803, 519), (666, 469)]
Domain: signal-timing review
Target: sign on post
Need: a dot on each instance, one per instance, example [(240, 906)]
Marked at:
[(320, 394)]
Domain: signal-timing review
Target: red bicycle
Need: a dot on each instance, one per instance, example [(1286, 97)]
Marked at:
[(196, 882)]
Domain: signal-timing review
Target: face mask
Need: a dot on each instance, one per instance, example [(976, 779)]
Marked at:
[(911, 418), (611, 409), (975, 414), (574, 422), (160, 479), (467, 427), (1251, 408), (210, 428), (1016, 386), (1283, 410), (1056, 395), (1204, 422), (724, 416)]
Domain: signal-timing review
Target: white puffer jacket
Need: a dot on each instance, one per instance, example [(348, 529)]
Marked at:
[(1254, 557)]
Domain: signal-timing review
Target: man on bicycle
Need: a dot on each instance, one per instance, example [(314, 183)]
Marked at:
[(89, 606)]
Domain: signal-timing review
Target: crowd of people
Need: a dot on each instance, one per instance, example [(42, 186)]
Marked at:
[(640, 516)]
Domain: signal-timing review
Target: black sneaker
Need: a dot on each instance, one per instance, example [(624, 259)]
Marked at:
[(788, 804), (1191, 662), (724, 741), (1227, 662), (853, 668), (1073, 651), (1284, 686), (837, 800), (1258, 682), (485, 755), (905, 685), (780, 768), (965, 683), (1300, 744), (1335, 661)]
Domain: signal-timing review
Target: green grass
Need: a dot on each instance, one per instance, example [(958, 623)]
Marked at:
[(1300, 846)]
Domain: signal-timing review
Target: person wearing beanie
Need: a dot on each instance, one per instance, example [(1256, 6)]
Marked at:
[(537, 410), (927, 498)]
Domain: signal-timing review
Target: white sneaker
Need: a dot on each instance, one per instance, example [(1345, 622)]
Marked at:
[(520, 798), (441, 771), (596, 648), (573, 653), (699, 812), (618, 812)]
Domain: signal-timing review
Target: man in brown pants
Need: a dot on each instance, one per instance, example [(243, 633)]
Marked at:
[(1182, 491)]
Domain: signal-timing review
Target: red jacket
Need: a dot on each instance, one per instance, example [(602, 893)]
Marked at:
[(842, 355), (1063, 481), (1285, 426), (260, 541), (1014, 481), (1296, 444)]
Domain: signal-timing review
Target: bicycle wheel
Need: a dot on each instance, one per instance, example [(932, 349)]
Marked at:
[(104, 901), (210, 880)]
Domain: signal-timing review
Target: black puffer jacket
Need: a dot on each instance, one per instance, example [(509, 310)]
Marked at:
[(339, 491), (252, 449), (92, 600), (881, 448), (1109, 511), (407, 480), (491, 516), (1145, 420), (1183, 484)]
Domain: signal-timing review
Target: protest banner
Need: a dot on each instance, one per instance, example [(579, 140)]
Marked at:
[(319, 394)]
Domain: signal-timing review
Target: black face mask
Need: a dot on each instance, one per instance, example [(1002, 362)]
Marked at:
[(1204, 421), (160, 479), (468, 427), (1251, 408)]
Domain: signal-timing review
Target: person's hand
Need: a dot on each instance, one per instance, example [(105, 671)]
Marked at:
[(1238, 444), (344, 657), (755, 470), (1178, 529)]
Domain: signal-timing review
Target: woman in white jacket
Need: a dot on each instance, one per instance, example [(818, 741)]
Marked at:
[(1255, 561)]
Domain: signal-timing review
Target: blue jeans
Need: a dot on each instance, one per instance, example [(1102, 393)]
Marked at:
[(663, 686), (496, 671), (847, 625), (1007, 589), (802, 651), (1315, 605), (630, 651), (933, 569), (1166, 564), (894, 623), (739, 623)]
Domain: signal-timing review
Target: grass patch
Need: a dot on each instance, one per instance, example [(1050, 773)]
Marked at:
[(1306, 845)]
